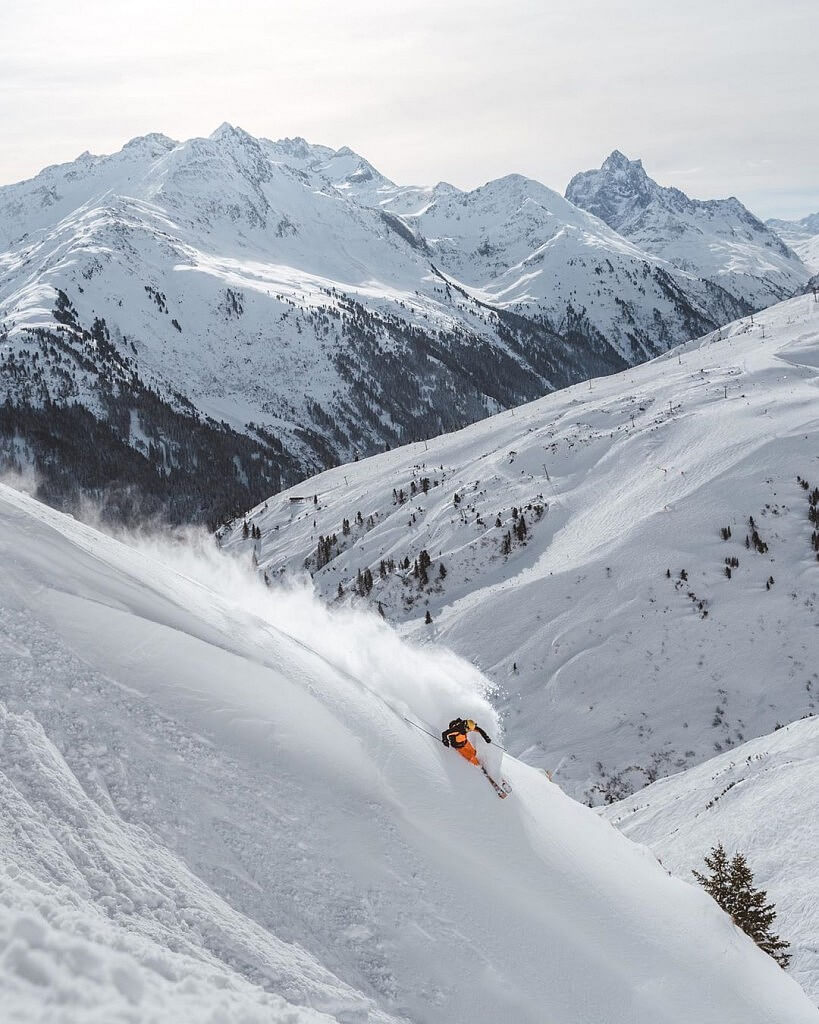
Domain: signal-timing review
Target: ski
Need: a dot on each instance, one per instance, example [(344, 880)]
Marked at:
[(502, 788)]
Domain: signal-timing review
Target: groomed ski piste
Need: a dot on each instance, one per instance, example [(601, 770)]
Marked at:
[(758, 799), (213, 810)]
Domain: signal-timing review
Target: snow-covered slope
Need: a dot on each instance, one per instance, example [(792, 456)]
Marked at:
[(718, 239), (802, 236), (625, 640), (213, 809), (759, 799)]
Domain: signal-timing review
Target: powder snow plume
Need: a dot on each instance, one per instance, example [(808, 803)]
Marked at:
[(428, 684)]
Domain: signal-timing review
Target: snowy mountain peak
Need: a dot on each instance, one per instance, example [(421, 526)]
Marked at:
[(226, 131), (718, 239), (618, 161), (618, 188), (296, 148), (811, 222), (237, 141), (521, 187), (153, 141)]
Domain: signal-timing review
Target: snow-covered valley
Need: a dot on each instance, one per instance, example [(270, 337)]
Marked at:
[(213, 809), (632, 630)]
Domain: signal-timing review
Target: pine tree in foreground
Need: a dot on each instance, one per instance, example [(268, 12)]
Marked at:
[(731, 883)]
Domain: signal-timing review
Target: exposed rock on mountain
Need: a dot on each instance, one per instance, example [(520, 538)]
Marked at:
[(718, 239)]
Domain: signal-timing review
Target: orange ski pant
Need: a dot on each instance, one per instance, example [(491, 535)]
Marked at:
[(469, 752)]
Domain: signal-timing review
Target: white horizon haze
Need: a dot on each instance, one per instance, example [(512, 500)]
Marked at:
[(717, 100)]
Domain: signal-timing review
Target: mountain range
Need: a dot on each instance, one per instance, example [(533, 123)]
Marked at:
[(595, 530), (250, 311)]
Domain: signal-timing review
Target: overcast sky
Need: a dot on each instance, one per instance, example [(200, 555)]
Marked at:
[(718, 97)]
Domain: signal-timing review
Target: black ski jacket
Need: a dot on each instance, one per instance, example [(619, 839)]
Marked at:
[(456, 735)]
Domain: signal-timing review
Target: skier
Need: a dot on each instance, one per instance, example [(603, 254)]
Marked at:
[(456, 736)]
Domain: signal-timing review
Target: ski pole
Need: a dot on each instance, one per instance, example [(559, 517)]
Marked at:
[(419, 727)]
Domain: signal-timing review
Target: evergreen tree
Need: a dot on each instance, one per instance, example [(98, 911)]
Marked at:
[(245, 530), (732, 886), (716, 883), (427, 617), (753, 914)]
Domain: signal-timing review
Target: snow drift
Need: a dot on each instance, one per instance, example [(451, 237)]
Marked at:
[(214, 810)]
